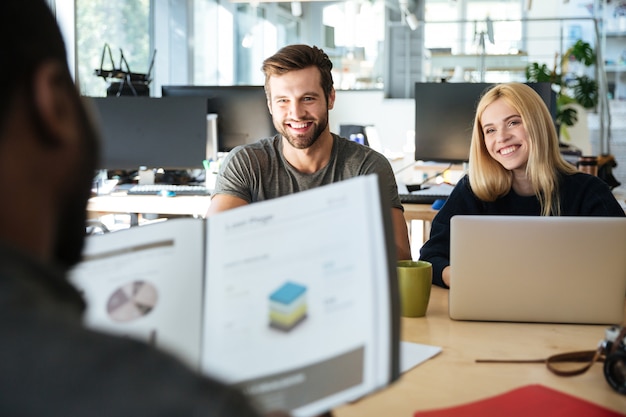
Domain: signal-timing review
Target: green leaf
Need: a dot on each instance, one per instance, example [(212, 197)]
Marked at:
[(583, 52), (536, 73), (569, 88), (567, 116), (586, 92)]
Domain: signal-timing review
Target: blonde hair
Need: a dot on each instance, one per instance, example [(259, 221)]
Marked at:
[(490, 180)]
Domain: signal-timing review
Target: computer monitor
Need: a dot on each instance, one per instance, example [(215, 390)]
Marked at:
[(444, 118), (242, 113), (168, 133)]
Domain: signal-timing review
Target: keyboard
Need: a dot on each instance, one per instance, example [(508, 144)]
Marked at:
[(427, 195), (420, 198), (168, 189)]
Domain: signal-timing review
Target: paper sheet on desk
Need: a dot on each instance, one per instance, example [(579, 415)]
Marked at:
[(412, 354)]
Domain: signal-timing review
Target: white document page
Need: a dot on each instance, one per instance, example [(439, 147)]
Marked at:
[(146, 282), (297, 298), (412, 354)]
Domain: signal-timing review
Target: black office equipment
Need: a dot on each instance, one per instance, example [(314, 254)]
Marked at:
[(427, 195), (128, 83), (242, 113), (444, 117), (168, 133), (420, 198)]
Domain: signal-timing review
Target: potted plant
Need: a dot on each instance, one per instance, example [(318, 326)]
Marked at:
[(571, 88)]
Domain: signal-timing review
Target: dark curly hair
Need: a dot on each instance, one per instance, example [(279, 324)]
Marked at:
[(30, 37)]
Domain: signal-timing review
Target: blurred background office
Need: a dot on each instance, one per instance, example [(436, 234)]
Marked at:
[(379, 48)]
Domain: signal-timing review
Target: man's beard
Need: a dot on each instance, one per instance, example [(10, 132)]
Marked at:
[(303, 141), (71, 224)]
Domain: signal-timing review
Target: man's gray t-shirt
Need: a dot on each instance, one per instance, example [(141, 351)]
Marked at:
[(259, 171)]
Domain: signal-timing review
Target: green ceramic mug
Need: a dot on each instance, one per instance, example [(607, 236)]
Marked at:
[(414, 282)]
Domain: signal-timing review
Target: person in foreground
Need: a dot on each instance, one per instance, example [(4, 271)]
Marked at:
[(51, 364), (515, 168), (304, 154)]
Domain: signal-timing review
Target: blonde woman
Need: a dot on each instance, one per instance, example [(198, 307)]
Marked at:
[(515, 168)]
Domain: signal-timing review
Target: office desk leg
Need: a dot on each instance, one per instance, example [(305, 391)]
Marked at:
[(425, 226), (425, 231)]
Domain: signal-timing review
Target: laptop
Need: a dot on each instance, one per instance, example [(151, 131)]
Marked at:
[(538, 269)]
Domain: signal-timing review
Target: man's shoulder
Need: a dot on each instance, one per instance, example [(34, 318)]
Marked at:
[(262, 148), (144, 359), (264, 144), (355, 149)]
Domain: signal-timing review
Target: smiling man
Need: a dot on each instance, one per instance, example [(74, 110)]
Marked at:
[(304, 154)]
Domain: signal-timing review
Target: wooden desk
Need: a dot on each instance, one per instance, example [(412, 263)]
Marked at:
[(193, 205), (422, 212), (453, 378), (197, 206), (134, 205)]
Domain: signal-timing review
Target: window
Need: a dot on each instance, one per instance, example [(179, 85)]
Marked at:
[(231, 40), (224, 42), (354, 36), (219, 42), (476, 40), (122, 24)]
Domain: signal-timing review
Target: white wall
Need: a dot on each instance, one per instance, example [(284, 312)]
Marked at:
[(393, 118)]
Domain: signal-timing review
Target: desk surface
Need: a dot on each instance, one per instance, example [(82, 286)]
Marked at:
[(179, 205), (198, 206), (453, 377)]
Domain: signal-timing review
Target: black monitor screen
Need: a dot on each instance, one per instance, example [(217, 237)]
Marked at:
[(169, 133), (444, 117), (242, 113)]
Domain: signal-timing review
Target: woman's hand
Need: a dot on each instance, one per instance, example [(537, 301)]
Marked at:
[(445, 275)]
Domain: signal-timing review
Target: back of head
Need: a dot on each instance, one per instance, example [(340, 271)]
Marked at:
[(297, 57), (50, 121), (30, 36)]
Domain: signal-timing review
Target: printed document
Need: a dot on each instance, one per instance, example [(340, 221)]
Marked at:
[(293, 300)]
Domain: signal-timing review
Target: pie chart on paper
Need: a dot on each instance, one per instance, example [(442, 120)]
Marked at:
[(132, 301)]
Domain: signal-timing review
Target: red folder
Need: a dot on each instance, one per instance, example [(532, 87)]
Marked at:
[(531, 400)]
